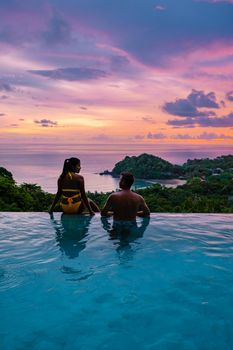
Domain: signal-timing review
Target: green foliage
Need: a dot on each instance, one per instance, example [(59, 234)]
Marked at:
[(98, 198), (5, 173), (197, 196), (40, 199), (25, 197), (206, 167)]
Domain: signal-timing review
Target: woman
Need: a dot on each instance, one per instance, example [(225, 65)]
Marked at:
[(71, 190)]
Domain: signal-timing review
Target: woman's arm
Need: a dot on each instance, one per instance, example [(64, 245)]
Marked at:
[(84, 197), (57, 197), (106, 211)]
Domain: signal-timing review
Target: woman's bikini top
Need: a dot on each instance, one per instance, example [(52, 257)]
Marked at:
[(74, 198)]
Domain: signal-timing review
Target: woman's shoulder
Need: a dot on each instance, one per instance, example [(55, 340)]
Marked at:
[(78, 177)]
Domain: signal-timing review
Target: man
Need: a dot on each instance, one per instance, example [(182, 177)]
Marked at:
[(125, 205)]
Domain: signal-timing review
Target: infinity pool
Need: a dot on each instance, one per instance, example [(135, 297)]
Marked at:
[(69, 283)]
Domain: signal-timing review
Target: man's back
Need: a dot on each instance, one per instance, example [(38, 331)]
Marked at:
[(125, 205)]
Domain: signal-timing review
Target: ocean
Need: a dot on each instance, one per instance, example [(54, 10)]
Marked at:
[(42, 163)]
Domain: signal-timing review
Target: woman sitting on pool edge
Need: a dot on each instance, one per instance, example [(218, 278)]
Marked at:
[(71, 190)]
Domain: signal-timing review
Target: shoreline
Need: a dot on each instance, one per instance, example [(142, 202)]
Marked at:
[(169, 183)]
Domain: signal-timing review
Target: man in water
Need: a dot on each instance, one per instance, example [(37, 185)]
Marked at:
[(125, 205)]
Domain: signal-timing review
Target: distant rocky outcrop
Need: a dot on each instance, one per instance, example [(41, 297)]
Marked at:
[(105, 172)]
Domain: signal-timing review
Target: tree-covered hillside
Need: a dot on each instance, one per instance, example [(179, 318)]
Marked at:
[(205, 167), (147, 166), (25, 197)]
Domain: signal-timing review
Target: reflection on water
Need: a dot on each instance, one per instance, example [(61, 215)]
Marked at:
[(125, 236), (71, 233), (125, 229)]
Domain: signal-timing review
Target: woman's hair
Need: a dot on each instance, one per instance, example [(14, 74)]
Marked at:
[(69, 165)]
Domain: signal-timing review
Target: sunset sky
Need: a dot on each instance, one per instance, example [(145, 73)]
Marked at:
[(116, 71)]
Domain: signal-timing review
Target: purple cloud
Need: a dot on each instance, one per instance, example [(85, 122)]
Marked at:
[(187, 122), (200, 99), (101, 137), (148, 119), (158, 136), (71, 74), (213, 136), (183, 137), (46, 123), (210, 76), (229, 95), (2, 114), (6, 87), (184, 108), (139, 137), (226, 121), (203, 136), (189, 107), (216, 122)]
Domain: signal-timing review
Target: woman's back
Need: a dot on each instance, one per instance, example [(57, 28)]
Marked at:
[(71, 181)]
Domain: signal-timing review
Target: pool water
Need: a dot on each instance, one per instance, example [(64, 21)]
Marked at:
[(71, 283)]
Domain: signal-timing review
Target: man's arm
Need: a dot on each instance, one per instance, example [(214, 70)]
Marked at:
[(106, 211), (144, 211)]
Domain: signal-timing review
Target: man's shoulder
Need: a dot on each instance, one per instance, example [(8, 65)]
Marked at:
[(130, 195), (138, 196), (113, 195)]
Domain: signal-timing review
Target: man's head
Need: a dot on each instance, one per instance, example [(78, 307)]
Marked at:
[(126, 181)]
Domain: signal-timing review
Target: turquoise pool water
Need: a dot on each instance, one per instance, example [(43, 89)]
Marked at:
[(70, 284)]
